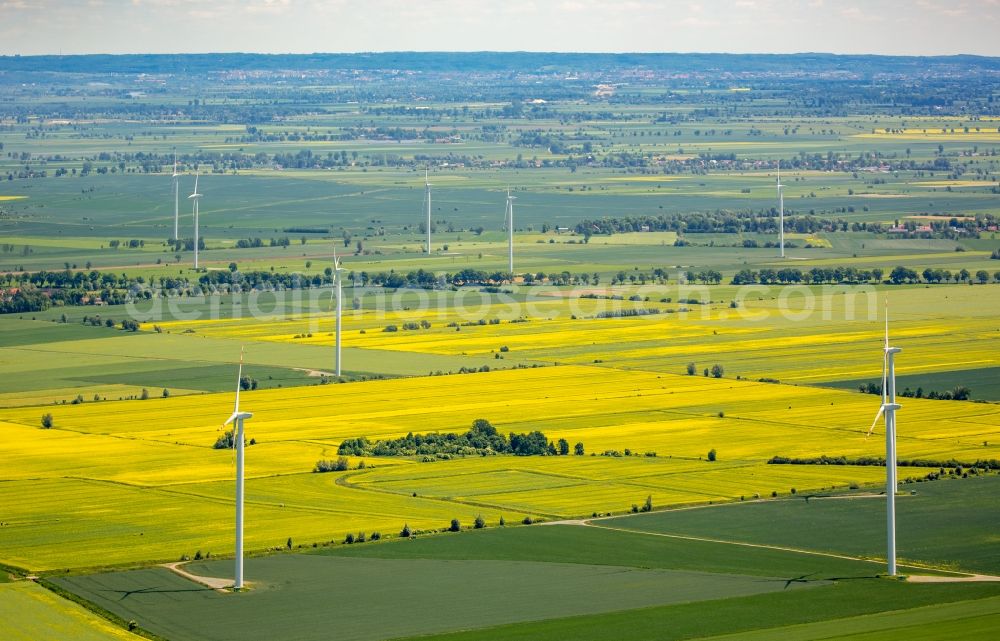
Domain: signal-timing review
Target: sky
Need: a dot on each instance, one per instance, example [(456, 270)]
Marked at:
[(904, 27)]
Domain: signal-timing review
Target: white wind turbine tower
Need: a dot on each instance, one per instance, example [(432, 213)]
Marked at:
[(427, 201), (238, 438), (177, 198), (194, 198), (509, 224), (888, 408), (781, 212), (338, 289)]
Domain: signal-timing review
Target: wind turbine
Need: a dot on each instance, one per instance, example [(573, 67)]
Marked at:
[(194, 198), (781, 212), (337, 269), (509, 223), (888, 408), (238, 417), (427, 200), (177, 200)]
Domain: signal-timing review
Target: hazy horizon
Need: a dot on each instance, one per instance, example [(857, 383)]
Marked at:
[(882, 27)]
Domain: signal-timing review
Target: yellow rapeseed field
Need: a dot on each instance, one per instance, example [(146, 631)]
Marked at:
[(138, 480)]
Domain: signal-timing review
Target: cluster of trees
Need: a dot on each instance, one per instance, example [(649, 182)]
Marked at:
[(716, 371), (792, 275), (38, 291), (24, 301), (957, 393), (725, 221), (424, 279), (625, 313), (341, 464), (248, 243), (360, 538), (227, 441), (483, 439), (766, 221)]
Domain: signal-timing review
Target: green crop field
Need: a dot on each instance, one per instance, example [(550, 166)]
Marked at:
[(401, 596), (855, 526), (543, 574)]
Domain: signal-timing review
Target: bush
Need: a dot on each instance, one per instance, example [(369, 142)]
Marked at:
[(691, 369), (526, 521), (712, 454), (405, 532), (46, 420), (145, 394), (455, 526), (361, 537), (503, 522), (376, 536), (288, 543), (717, 371), (578, 449), (648, 505), (349, 539), (480, 522), (342, 464)]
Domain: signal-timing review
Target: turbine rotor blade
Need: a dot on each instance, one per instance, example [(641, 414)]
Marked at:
[(239, 378), (878, 415), (885, 365), (232, 418)]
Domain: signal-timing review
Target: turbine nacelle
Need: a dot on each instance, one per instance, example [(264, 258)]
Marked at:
[(237, 416)]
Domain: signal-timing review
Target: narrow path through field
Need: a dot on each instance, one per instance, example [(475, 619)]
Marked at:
[(212, 582), (970, 578)]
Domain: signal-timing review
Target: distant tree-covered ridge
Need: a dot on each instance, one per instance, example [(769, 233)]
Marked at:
[(483, 440)]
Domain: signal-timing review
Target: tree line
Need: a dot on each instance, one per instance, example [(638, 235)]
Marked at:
[(879, 461), (853, 275)]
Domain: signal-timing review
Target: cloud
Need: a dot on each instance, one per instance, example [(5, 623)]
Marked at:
[(268, 6), (850, 26)]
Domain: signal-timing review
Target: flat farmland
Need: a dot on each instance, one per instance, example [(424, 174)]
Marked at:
[(121, 466)]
